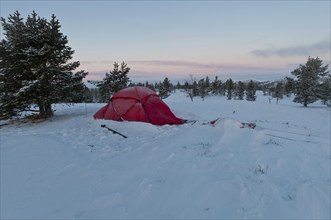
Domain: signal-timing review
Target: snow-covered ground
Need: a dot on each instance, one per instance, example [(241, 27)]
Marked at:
[(70, 167)]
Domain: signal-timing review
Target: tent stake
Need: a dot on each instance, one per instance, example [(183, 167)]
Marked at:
[(114, 132)]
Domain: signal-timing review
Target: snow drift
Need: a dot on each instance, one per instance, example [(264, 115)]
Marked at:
[(70, 167)]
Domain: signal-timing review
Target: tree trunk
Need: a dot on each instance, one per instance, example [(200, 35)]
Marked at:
[(41, 109), (305, 104), (49, 111), (45, 110)]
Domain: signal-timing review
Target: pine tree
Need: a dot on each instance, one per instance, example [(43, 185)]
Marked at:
[(178, 86), (250, 91), (222, 90), (241, 90), (187, 86), (195, 89), (229, 87), (114, 81), (207, 85), (12, 78), (165, 88), (308, 80), (35, 58), (325, 91), (278, 92), (289, 86), (202, 88), (216, 86)]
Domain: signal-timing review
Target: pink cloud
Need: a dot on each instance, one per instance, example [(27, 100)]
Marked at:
[(145, 70)]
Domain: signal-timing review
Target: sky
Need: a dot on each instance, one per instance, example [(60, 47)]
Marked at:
[(185, 39)]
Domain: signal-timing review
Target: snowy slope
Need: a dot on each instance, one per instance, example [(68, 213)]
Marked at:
[(70, 167)]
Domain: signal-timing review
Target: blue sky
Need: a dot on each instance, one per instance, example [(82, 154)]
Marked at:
[(177, 39)]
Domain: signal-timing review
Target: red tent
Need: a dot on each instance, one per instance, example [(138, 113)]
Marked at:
[(138, 104)]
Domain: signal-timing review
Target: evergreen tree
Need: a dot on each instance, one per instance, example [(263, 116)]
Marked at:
[(216, 86), (325, 91), (114, 81), (178, 86), (222, 90), (202, 88), (187, 86), (235, 90), (11, 70), (195, 89), (278, 92), (250, 91), (229, 87), (240, 90), (289, 86), (308, 78), (165, 88), (35, 67), (207, 85)]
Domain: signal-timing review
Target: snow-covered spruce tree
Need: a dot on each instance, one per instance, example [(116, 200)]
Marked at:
[(229, 88), (195, 89), (202, 88), (250, 91), (216, 86), (114, 81), (278, 92), (308, 79), (35, 67), (207, 85), (289, 86), (165, 88), (240, 91), (12, 77), (325, 91)]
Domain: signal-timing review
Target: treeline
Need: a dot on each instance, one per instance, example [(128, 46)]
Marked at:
[(236, 90), (311, 82), (201, 88)]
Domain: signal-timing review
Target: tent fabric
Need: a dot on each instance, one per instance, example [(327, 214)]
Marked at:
[(138, 104)]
